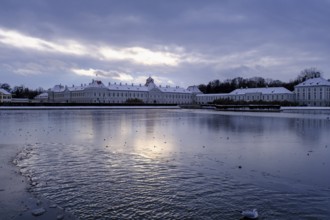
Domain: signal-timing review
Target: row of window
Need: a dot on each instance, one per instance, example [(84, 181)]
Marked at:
[(243, 97), (312, 89), (58, 95), (309, 95), (122, 94), (123, 101), (118, 94)]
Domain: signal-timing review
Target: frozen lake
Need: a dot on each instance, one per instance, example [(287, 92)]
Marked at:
[(174, 164)]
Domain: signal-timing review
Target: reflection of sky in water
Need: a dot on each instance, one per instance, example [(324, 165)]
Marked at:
[(273, 144), (275, 150), (284, 145)]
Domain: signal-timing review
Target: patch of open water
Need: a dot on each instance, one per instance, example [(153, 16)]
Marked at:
[(177, 164)]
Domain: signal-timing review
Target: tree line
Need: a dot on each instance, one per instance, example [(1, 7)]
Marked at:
[(229, 85)]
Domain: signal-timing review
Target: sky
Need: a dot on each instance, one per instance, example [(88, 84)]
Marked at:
[(178, 42)]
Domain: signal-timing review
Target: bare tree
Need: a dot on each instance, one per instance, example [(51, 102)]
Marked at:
[(5, 86), (309, 73)]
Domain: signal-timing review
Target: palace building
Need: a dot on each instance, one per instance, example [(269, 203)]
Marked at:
[(313, 92), (97, 92), (5, 96), (268, 94)]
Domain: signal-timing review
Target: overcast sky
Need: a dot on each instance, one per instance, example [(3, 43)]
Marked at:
[(177, 42)]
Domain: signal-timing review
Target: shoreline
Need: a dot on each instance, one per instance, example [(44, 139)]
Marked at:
[(15, 200), (83, 107)]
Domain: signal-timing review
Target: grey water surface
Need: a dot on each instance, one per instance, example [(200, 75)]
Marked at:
[(174, 164)]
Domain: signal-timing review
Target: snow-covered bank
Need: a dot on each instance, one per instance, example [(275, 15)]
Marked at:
[(15, 201)]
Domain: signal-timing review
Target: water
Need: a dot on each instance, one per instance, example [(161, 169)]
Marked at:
[(174, 164)]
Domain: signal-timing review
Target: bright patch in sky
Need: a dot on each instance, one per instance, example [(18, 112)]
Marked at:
[(19, 40), (138, 55), (141, 55), (83, 72)]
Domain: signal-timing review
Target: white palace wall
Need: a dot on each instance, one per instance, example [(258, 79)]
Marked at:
[(313, 92)]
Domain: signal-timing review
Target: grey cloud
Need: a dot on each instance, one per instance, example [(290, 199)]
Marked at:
[(293, 33), (106, 73)]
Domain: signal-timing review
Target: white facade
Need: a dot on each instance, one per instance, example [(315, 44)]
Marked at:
[(268, 94), (43, 97), (250, 94), (207, 98), (5, 96), (97, 92), (313, 92)]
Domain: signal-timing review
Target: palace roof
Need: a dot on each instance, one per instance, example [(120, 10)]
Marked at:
[(194, 89), (58, 88), (267, 90), (314, 82), (127, 87), (4, 92), (213, 94), (120, 87), (173, 89)]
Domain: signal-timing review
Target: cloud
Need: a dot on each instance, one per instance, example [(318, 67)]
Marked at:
[(182, 42), (19, 40), (141, 56), (116, 75), (138, 55), (29, 69)]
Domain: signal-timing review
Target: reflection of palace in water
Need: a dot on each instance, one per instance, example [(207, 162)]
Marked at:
[(308, 128), (313, 92)]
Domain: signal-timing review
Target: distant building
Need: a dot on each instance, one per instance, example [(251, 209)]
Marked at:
[(208, 98), (97, 92), (43, 97), (313, 92), (268, 94), (5, 96)]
